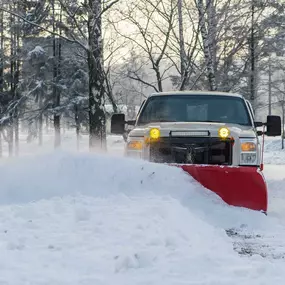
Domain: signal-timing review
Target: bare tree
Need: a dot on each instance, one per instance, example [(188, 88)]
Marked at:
[(150, 23), (279, 92), (1, 71)]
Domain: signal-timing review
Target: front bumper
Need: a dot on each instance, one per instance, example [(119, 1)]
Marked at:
[(192, 150)]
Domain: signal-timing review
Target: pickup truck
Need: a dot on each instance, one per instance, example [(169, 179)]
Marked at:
[(196, 127)]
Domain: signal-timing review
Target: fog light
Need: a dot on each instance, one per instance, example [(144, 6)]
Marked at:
[(224, 132), (154, 133), (135, 145)]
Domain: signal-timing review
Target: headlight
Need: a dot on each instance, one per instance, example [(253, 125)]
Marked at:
[(134, 148), (248, 155), (135, 145), (248, 146)]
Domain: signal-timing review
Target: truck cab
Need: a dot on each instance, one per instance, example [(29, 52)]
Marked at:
[(196, 127)]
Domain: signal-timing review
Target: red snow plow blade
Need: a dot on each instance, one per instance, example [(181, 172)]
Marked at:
[(237, 186)]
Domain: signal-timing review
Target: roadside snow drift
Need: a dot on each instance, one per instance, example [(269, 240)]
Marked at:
[(93, 219), (273, 152)]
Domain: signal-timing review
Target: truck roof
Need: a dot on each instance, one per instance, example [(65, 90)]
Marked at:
[(192, 92)]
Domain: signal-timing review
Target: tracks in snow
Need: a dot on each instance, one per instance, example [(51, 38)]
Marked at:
[(249, 244)]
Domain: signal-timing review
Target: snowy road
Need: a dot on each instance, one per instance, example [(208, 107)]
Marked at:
[(267, 243), (274, 172), (83, 219)]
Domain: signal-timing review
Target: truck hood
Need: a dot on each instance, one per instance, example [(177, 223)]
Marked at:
[(165, 127)]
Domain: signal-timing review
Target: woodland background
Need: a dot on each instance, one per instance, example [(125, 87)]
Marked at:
[(72, 63)]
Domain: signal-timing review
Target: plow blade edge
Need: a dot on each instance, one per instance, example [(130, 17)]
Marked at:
[(237, 186)]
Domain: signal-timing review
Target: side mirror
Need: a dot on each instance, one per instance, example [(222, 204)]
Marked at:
[(118, 124), (273, 126)]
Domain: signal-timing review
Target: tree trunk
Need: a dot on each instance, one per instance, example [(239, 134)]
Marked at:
[(97, 119), (212, 31), (77, 123), (16, 127), (47, 123), (1, 52), (283, 123), (158, 78), (16, 92), (206, 47), (12, 87), (10, 139), (269, 85), (41, 121), (183, 56), (1, 150), (1, 69), (57, 138), (252, 46), (56, 122), (110, 95)]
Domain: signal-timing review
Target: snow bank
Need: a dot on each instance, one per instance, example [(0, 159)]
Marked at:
[(275, 177), (93, 219), (58, 174), (273, 153)]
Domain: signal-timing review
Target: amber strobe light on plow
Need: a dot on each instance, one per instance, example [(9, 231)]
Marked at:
[(237, 186)]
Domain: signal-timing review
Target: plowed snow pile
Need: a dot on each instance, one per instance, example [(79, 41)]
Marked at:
[(93, 220), (273, 153)]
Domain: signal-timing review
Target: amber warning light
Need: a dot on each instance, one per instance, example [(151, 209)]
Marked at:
[(224, 133), (154, 133)]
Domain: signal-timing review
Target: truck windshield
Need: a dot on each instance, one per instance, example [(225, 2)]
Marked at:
[(195, 108)]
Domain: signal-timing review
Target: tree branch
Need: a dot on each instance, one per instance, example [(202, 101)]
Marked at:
[(44, 29)]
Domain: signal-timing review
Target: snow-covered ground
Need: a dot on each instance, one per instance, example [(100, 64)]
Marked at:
[(273, 153), (80, 218)]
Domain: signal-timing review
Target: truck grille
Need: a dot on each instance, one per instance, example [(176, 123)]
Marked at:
[(192, 150)]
